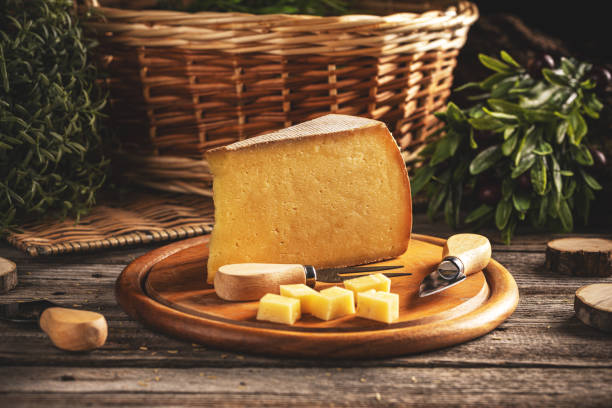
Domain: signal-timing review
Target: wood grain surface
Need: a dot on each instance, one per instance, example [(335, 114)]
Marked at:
[(593, 305), (580, 256), (541, 356)]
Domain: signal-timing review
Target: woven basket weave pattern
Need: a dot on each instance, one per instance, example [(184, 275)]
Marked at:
[(182, 83), (142, 219)]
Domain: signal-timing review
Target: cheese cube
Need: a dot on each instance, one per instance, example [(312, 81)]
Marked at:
[(380, 306), (378, 282), (329, 192), (305, 294), (278, 309), (332, 303)]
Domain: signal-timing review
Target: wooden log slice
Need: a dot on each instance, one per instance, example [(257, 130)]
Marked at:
[(593, 305), (8, 275), (580, 256)]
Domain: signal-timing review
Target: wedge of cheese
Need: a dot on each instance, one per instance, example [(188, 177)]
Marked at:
[(329, 192), (377, 281), (379, 306), (279, 309)]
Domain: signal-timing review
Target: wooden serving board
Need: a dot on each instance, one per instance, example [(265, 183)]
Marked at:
[(166, 289)]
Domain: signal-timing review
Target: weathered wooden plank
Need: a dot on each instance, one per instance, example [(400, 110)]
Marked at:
[(542, 326), (102, 257), (560, 340), (533, 359), (339, 386), (39, 277), (123, 257)]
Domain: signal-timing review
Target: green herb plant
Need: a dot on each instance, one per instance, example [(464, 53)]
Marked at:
[(312, 7), (50, 109), (520, 154)]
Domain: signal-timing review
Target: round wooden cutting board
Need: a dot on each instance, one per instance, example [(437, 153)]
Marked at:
[(166, 289)]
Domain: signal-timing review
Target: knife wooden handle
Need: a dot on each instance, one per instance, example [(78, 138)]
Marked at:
[(250, 281), (74, 330), (472, 249)]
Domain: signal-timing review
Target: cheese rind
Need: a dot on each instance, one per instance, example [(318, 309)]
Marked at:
[(378, 282), (333, 303), (279, 309), (379, 306), (305, 294), (330, 192)]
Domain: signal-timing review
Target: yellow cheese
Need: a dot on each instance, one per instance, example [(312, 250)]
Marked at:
[(278, 309), (329, 192), (376, 281), (380, 306), (305, 294), (332, 303)]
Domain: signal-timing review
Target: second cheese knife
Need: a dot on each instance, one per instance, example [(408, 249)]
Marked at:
[(250, 281), (463, 255)]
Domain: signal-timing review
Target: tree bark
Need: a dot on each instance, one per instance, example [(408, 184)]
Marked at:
[(580, 256), (8, 275), (593, 305)]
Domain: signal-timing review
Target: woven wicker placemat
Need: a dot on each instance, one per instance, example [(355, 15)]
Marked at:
[(140, 218)]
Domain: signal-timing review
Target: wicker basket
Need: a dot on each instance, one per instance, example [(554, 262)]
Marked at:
[(183, 83)]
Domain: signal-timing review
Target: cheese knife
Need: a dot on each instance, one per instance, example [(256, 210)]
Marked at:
[(250, 281), (463, 255), (68, 329)]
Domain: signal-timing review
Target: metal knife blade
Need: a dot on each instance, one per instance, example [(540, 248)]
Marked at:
[(434, 283), (338, 275), (24, 312)]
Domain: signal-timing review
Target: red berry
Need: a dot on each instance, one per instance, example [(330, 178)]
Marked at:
[(601, 77), (485, 138), (536, 64), (524, 180), (599, 158), (489, 193)]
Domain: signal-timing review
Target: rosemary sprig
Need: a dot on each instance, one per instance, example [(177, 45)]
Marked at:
[(50, 109)]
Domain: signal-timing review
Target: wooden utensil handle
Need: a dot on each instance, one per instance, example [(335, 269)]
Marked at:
[(473, 250), (250, 281), (74, 330)]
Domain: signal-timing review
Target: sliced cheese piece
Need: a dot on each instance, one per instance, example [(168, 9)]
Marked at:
[(333, 303), (377, 281), (379, 306), (279, 309), (305, 294), (329, 192)]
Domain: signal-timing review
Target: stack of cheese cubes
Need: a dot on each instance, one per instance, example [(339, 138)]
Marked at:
[(372, 292)]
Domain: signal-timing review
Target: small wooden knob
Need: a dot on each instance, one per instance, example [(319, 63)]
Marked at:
[(250, 281), (74, 330), (580, 256), (473, 250), (593, 305)]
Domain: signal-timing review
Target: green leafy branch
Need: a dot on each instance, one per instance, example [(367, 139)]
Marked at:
[(312, 7), (50, 109), (523, 142)]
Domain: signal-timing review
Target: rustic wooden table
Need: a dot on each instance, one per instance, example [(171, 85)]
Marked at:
[(541, 356)]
